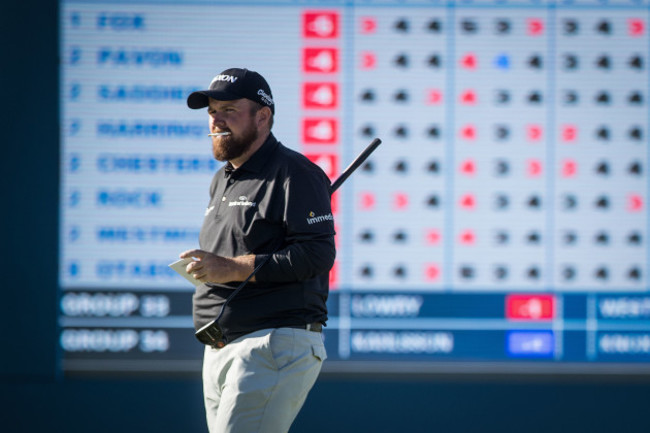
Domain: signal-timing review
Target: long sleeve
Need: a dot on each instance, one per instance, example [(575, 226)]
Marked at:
[(308, 248)]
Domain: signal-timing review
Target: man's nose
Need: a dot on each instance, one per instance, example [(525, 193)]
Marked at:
[(216, 119)]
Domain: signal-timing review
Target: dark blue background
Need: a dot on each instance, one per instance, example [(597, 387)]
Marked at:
[(35, 398)]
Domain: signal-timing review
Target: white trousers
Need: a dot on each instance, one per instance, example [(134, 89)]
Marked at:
[(259, 382)]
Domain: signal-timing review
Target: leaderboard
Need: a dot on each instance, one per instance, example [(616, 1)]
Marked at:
[(502, 221)]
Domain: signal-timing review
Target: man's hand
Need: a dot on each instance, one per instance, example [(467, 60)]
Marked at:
[(210, 268)]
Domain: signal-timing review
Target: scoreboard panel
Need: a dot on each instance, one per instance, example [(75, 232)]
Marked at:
[(501, 226)]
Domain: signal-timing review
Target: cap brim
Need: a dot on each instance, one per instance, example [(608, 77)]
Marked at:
[(200, 99)]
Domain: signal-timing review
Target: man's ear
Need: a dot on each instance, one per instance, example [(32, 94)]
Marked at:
[(263, 116)]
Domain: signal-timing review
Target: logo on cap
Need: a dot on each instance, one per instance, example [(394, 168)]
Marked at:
[(222, 77), (265, 97), (231, 84)]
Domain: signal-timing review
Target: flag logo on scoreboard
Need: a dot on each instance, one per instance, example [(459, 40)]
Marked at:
[(530, 307), (320, 24), (320, 130), (320, 96), (320, 60)]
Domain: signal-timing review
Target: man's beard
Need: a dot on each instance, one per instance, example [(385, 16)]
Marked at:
[(230, 147)]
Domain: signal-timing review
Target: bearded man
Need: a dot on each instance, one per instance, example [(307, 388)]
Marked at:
[(270, 207)]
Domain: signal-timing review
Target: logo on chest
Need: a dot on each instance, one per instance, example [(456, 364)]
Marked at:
[(242, 201)]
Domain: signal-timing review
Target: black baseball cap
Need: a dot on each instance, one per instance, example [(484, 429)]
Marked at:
[(231, 84)]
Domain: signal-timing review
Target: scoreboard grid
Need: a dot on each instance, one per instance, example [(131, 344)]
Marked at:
[(501, 226)]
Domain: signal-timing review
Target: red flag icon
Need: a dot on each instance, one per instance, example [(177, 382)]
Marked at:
[(320, 95), (320, 24), (320, 130), (320, 60), (530, 307)]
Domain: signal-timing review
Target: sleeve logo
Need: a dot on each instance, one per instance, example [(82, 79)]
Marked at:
[(313, 219)]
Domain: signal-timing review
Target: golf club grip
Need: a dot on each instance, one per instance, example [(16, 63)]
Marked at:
[(355, 164)]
